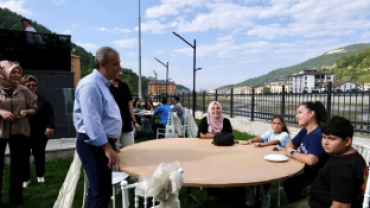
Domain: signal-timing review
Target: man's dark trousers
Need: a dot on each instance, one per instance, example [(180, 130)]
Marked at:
[(99, 175)]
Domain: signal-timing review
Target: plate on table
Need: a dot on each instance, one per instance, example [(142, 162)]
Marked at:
[(276, 158)]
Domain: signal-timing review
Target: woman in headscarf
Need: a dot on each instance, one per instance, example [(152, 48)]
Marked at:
[(42, 129), (214, 122), (16, 104)]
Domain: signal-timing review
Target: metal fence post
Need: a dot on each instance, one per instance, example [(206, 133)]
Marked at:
[(282, 110), (189, 100), (328, 97), (232, 103), (204, 101), (252, 105), (216, 96)]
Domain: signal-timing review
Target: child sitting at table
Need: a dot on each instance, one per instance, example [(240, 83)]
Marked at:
[(277, 136)]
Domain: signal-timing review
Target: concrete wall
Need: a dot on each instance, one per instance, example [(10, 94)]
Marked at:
[(56, 148)]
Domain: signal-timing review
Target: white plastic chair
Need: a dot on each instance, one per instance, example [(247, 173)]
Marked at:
[(125, 200), (162, 131), (117, 177), (185, 127), (365, 152)]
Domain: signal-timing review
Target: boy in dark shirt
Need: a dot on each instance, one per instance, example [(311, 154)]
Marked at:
[(340, 182)]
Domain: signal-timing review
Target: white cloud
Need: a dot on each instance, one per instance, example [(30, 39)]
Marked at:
[(58, 2), (126, 43), (67, 32), (88, 46), (158, 51), (314, 18), (101, 29), (154, 26), (123, 30), (16, 6), (171, 7), (365, 35), (116, 29)]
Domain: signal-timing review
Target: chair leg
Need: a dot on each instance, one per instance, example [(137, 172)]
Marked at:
[(278, 193), (86, 182), (114, 196), (157, 132)]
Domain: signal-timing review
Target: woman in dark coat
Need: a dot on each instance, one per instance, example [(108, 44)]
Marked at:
[(42, 129)]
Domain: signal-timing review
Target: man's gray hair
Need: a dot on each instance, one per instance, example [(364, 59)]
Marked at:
[(102, 55)]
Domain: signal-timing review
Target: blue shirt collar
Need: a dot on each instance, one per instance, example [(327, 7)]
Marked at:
[(101, 78)]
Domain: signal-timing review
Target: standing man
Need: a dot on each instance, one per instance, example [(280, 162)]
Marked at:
[(178, 108), (97, 120), (122, 95)]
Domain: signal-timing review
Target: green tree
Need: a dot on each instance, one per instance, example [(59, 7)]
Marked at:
[(266, 90)]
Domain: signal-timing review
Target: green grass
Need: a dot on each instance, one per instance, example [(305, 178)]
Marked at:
[(44, 195)]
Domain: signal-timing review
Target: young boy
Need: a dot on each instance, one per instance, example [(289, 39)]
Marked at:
[(340, 182)]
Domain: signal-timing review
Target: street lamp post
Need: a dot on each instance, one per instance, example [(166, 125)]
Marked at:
[(165, 65), (156, 84), (194, 47), (139, 53)]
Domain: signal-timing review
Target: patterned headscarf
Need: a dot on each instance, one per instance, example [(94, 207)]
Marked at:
[(6, 68), (214, 125)]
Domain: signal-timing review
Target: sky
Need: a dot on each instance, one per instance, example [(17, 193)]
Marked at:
[(236, 39)]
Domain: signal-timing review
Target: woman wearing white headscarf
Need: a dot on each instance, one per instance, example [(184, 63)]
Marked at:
[(16, 104)]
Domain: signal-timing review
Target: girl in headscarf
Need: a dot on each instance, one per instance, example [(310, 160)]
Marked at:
[(214, 122), (16, 104)]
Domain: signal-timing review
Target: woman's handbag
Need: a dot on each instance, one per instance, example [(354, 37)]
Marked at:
[(223, 139)]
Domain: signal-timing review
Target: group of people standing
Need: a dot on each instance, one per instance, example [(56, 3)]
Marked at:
[(335, 173), (27, 122)]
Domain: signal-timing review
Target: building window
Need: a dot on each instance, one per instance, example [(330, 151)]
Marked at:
[(305, 77)]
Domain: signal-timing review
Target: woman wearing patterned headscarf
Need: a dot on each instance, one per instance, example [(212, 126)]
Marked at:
[(16, 104), (214, 122)]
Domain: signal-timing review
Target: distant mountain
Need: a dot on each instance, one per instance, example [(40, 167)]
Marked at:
[(326, 60)]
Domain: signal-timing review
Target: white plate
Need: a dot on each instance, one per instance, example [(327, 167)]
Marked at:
[(276, 158)]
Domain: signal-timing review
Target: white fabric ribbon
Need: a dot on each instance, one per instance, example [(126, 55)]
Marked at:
[(164, 186)]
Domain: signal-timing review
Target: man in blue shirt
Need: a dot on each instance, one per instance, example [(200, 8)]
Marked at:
[(98, 122), (163, 112)]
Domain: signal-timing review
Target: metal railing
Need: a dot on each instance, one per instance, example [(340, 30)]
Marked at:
[(351, 104), (36, 51)]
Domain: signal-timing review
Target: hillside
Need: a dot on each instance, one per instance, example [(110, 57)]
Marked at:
[(352, 68), (326, 60), (11, 21)]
